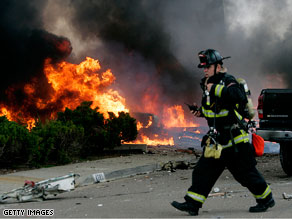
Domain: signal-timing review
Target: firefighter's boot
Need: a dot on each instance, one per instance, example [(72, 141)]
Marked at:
[(262, 207), (186, 206)]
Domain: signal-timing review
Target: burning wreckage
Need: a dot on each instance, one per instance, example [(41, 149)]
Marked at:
[(57, 84)]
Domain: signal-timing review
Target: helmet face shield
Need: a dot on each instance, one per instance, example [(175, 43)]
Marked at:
[(209, 57), (203, 61)]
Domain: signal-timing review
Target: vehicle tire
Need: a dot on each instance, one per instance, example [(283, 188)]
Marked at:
[(286, 157)]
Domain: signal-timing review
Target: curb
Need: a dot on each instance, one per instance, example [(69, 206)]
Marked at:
[(128, 172)]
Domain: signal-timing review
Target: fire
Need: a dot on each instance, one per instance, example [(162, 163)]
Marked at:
[(155, 142), (71, 84), (155, 132), (174, 117), (5, 112), (85, 82), (149, 122), (139, 125), (17, 116)]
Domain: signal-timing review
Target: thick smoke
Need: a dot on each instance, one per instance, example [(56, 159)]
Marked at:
[(259, 41), (24, 47), (150, 45), (138, 27)]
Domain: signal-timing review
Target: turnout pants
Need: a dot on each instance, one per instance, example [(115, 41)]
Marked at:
[(241, 164)]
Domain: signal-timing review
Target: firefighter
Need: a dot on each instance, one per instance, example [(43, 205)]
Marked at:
[(226, 145)]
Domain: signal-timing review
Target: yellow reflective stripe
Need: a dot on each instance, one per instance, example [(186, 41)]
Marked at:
[(211, 114), (208, 100), (244, 137), (196, 196), (218, 90), (238, 115), (265, 194)]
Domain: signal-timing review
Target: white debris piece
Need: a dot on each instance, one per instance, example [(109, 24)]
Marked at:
[(40, 190), (216, 189), (287, 196)]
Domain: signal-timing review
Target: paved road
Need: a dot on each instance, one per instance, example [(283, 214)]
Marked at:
[(149, 195)]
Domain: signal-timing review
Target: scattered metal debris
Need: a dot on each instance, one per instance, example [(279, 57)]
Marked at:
[(40, 190), (173, 165), (218, 194), (287, 196)]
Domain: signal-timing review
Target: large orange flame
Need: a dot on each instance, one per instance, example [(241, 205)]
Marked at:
[(174, 116), (71, 84), (86, 83)]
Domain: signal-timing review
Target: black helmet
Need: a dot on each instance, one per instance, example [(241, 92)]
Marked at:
[(209, 57)]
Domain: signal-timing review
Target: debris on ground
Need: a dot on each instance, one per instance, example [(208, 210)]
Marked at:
[(173, 165), (218, 194), (216, 189), (41, 190), (287, 196)]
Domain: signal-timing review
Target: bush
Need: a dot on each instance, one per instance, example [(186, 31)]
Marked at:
[(122, 128), (100, 133), (59, 142), (95, 136), (15, 143), (76, 133)]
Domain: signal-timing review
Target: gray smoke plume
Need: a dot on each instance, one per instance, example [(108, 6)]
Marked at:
[(134, 31), (259, 41), (150, 45)]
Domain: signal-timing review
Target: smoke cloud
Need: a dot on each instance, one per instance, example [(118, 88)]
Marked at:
[(151, 46), (259, 36), (24, 46)]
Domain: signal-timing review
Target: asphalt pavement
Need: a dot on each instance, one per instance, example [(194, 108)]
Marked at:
[(103, 170)]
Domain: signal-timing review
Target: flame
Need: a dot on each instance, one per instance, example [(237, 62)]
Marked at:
[(174, 117), (5, 112), (71, 84), (139, 125), (197, 132), (149, 122), (158, 141), (85, 82), (17, 116)]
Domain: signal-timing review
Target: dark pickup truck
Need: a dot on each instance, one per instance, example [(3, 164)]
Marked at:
[(275, 122)]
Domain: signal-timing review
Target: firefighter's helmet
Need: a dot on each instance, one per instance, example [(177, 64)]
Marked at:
[(209, 57)]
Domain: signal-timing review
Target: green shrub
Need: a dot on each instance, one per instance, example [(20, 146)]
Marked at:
[(76, 133), (100, 133), (59, 142), (15, 143), (95, 136), (121, 129)]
